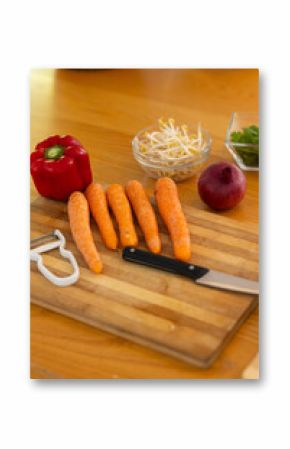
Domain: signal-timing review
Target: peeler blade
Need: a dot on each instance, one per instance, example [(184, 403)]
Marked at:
[(34, 243)]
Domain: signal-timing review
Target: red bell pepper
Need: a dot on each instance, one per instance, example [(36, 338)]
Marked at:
[(59, 166)]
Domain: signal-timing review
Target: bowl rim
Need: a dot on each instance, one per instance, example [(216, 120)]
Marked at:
[(241, 145), (235, 115), (189, 164)]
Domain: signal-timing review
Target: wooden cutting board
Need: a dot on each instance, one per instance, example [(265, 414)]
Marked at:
[(161, 310)]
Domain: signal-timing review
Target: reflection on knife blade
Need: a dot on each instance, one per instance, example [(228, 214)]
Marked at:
[(228, 282)]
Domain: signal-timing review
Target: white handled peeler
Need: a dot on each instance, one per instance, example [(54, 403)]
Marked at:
[(42, 245)]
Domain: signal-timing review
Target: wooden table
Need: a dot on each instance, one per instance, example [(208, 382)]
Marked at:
[(104, 109)]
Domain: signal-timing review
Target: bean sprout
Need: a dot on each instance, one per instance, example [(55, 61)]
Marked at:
[(171, 150), (171, 142)]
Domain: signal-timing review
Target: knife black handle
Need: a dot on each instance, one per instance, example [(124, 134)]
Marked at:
[(132, 254)]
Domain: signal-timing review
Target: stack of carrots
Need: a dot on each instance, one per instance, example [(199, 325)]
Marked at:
[(120, 201)]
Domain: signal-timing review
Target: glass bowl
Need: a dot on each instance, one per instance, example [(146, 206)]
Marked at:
[(246, 155), (178, 169)]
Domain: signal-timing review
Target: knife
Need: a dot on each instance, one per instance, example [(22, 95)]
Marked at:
[(200, 275)]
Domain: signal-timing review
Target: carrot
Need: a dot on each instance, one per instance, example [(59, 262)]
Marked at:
[(121, 208), (99, 207), (171, 213), (145, 214), (79, 219)]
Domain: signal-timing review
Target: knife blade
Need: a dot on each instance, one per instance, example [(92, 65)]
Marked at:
[(200, 275)]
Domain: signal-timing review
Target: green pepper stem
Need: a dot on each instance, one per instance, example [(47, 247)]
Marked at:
[(54, 152)]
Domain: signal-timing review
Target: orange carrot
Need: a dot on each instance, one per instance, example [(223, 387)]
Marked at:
[(145, 214), (79, 219), (121, 209), (171, 213), (98, 204)]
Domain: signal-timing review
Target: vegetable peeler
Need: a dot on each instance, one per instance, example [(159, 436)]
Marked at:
[(48, 242)]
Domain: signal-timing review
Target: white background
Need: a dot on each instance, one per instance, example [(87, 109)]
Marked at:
[(116, 414)]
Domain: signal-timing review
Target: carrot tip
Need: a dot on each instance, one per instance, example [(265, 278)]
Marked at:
[(97, 267)]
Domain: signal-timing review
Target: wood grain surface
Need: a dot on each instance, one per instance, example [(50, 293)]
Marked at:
[(160, 310), (252, 370), (104, 109)]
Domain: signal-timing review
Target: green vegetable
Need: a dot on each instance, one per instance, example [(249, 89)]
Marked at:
[(248, 154), (54, 152)]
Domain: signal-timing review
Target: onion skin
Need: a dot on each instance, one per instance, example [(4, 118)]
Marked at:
[(222, 186)]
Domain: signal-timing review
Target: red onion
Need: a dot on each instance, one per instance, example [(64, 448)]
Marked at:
[(222, 185)]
